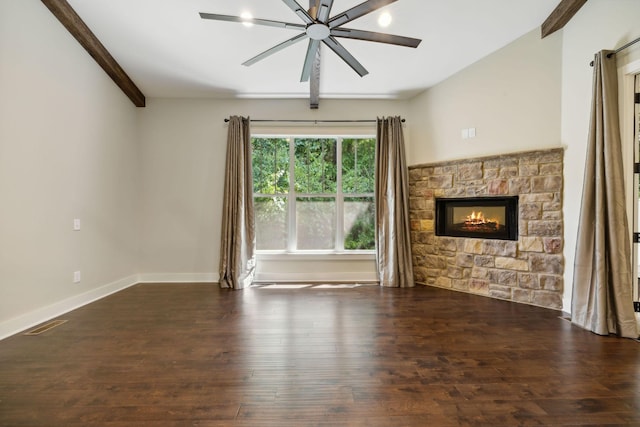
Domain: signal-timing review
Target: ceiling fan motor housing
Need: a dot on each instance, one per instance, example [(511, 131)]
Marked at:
[(318, 31)]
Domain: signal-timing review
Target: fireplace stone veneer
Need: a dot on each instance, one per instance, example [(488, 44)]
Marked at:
[(527, 270)]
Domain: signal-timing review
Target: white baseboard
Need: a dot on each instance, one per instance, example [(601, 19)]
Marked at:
[(178, 278), (349, 277), (36, 317)]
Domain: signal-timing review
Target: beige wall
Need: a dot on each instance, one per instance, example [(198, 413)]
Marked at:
[(67, 150), (511, 98), (600, 24), (183, 148)]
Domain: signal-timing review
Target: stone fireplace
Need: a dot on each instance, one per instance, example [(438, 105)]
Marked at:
[(525, 264)]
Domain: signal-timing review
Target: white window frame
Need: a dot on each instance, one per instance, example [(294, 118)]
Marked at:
[(292, 195)]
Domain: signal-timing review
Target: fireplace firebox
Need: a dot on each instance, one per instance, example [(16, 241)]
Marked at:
[(478, 217)]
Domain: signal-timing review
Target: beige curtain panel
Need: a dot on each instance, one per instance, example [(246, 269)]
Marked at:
[(238, 245), (602, 279), (393, 241)]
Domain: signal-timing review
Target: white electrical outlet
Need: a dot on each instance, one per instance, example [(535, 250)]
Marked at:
[(76, 224), (76, 277)]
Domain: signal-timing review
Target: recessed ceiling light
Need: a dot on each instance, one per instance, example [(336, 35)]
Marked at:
[(385, 19), (247, 17)]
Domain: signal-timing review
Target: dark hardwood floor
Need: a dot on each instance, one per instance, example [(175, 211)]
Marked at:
[(195, 355)]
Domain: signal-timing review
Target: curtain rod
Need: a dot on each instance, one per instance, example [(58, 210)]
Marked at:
[(620, 49), (311, 121)]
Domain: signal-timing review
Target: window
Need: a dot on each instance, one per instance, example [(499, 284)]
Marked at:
[(314, 193)]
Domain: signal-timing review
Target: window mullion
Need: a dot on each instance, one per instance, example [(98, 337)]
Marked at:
[(339, 199), (291, 206)]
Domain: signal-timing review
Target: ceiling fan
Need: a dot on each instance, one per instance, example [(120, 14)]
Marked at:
[(318, 27)]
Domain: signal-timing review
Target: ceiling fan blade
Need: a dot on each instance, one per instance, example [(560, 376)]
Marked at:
[(324, 10), (255, 21), (345, 55), (358, 11), (276, 48), (375, 37), (309, 59), (299, 10)]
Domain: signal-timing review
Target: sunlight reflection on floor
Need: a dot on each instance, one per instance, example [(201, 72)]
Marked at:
[(309, 285)]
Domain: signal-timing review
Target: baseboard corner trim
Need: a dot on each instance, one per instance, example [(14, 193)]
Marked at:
[(35, 317)]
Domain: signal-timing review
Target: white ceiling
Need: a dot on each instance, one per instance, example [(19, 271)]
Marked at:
[(169, 51)]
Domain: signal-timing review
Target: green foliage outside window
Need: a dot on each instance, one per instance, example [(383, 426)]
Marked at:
[(361, 233), (270, 163), (315, 166), (358, 159)]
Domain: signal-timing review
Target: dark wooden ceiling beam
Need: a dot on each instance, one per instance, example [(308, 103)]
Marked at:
[(561, 15), (78, 29)]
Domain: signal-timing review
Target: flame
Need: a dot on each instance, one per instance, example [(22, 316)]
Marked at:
[(478, 218), (475, 218)]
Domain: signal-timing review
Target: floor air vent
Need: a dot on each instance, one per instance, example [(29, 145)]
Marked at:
[(44, 328)]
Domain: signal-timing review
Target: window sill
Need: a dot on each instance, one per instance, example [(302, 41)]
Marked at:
[(316, 256)]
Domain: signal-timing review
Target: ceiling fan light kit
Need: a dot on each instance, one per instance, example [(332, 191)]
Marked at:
[(320, 27)]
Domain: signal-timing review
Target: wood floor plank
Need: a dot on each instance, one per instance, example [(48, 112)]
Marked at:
[(192, 354)]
